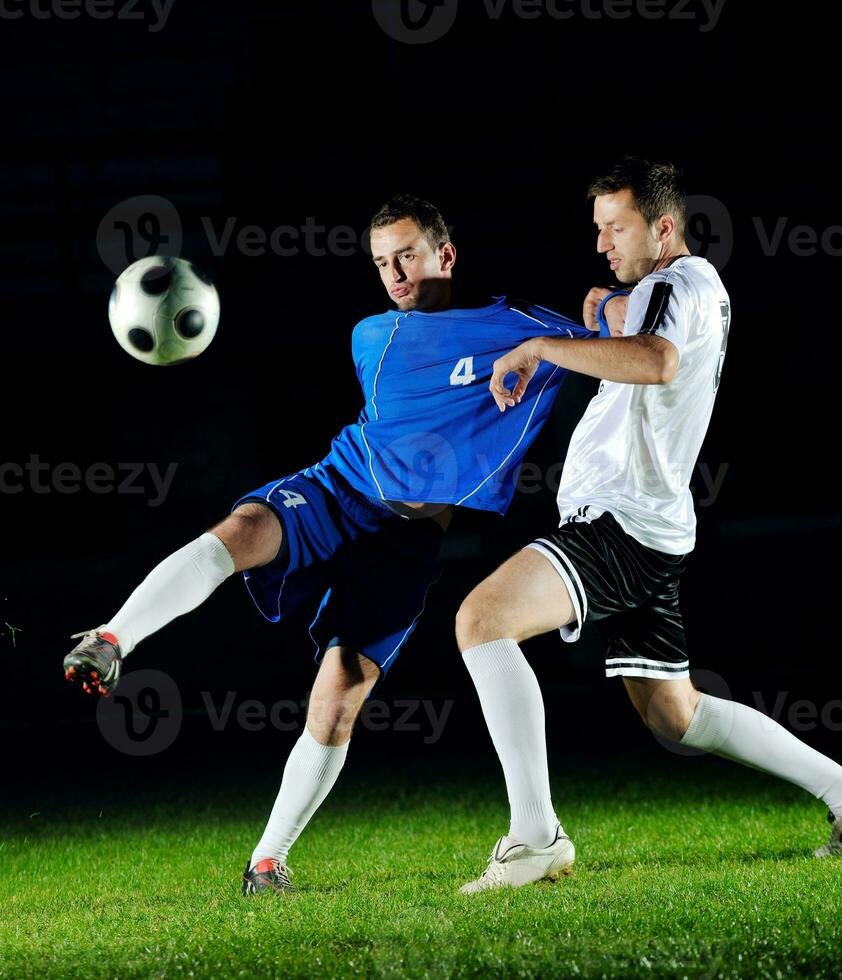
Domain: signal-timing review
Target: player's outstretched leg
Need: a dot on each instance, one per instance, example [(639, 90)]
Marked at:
[(249, 537), (675, 710), (342, 685), (523, 598)]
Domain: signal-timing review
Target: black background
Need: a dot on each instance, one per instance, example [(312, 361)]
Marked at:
[(282, 113)]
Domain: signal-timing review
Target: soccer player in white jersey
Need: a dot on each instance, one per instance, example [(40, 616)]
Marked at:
[(627, 529)]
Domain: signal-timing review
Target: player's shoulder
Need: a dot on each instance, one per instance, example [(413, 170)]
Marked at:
[(686, 273), (371, 326), (370, 334), (375, 320), (517, 307), (690, 282)]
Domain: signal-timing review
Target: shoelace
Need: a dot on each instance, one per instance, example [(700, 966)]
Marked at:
[(114, 666), (494, 872), (89, 633), (281, 872)]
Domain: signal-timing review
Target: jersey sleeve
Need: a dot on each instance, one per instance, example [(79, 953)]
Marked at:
[(553, 323), (660, 307)]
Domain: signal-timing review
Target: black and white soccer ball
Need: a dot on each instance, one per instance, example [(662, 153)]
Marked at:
[(163, 310)]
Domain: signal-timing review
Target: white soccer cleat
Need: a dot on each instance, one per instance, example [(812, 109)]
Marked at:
[(513, 864), (834, 846)]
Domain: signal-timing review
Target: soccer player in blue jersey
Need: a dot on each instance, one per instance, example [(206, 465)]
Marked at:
[(428, 438)]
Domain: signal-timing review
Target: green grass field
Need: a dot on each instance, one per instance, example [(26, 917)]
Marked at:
[(686, 868)]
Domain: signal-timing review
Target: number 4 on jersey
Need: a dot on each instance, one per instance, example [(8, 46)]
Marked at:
[(465, 365)]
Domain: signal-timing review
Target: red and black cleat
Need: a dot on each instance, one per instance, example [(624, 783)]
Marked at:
[(267, 875), (96, 662)]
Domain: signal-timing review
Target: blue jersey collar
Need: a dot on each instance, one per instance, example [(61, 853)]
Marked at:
[(452, 312)]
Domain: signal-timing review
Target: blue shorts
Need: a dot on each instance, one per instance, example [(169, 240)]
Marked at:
[(370, 567)]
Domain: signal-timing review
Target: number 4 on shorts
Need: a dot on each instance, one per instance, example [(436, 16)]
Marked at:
[(291, 498)]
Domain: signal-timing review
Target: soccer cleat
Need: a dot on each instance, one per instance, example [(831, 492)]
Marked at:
[(834, 845), (513, 864), (267, 875), (96, 662)]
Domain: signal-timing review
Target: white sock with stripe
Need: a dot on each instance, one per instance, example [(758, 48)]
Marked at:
[(514, 712), (178, 584), (309, 775), (742, 734)]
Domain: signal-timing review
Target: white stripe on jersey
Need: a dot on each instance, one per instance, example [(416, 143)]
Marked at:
[(514, 447), (374, 406), (514, 309), (526, 427)]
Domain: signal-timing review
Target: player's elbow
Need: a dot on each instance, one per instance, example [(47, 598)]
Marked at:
[(665, 363)]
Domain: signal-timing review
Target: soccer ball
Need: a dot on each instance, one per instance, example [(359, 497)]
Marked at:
[(163, 310)]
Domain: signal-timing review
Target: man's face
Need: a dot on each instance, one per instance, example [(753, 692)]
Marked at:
[(631, 246), (416, 276)]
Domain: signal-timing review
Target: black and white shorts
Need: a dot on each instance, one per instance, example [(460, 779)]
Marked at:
[(611, 576)]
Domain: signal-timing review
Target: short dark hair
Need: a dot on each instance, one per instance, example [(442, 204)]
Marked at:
[(425, 215), (657, 188)]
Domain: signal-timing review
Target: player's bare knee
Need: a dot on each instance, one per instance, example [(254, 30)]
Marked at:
[(670, 716), (344, 680), (331, 719), (252, 535), (476, 622), (682, 718)]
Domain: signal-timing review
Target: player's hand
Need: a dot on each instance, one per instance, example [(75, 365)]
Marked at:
[(523, 361), (591, 305), (615, 314)]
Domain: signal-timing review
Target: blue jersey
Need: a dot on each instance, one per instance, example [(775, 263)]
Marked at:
[(430, 431)]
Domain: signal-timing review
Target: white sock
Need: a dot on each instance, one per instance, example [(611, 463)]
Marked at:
[(180, 583), (309, 775), (514, 712), (740, 733)]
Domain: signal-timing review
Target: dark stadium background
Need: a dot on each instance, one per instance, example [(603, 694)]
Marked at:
[(278, 113)]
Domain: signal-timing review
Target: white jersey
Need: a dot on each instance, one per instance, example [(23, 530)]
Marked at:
[(636, 446)]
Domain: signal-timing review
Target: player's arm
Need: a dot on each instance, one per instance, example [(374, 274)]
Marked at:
[(637, 359), (657, 324)]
